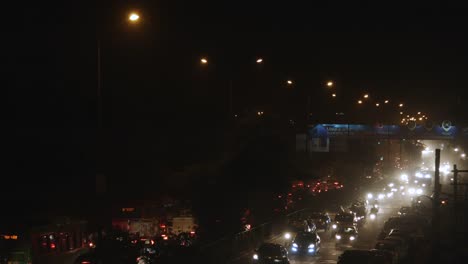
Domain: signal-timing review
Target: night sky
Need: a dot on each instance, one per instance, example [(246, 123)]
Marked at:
[(160, 103)]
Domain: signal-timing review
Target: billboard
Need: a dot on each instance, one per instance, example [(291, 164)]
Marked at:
[(417, 131)]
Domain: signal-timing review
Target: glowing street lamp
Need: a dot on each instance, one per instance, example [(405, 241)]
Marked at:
[(400, 105), (334, 95), (366, 96), (330, 84), (386, 101), (203, 61), (133, 17), (259, 61), (289, 82), (359, 101)]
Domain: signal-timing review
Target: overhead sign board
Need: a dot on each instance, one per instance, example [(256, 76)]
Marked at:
[(445, 130)]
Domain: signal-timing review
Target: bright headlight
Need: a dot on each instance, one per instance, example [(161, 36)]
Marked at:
[(287, 236), (294, 245), (338, 237), (404, 177), (352, 238), (255, 256), (311, 246)]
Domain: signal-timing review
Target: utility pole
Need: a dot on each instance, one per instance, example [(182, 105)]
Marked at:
[(435, 210)]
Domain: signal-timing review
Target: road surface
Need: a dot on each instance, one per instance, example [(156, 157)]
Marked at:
[(329, 252)]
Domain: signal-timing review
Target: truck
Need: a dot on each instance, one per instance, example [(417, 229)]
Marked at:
[(184, 224)]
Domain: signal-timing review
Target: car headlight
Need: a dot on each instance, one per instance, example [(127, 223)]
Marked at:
[(287, 236), (338, 237), (352, 238), (311, 246), (294, 245), (255, 256), (334, 226)]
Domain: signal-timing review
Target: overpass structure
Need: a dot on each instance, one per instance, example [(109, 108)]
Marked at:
[(320, 137)]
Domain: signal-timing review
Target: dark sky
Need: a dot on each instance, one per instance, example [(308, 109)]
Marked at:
[(158, 99)]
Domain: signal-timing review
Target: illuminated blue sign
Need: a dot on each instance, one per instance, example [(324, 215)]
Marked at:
[(443, 131)]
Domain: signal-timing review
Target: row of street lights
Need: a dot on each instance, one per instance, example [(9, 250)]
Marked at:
[(134, 17)]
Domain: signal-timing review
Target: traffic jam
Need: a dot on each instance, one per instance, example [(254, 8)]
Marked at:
[(387, 221)]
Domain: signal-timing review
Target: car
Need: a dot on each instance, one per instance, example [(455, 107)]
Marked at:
[(404, 210), (365, 256), (270, 253), (344, 219), (306, 243), (347, 234), (390, 246), (355, 256), (294, 227), (321, 220)]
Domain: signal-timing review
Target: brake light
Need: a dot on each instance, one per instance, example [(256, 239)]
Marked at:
[(52, 245), (85, 262), (192, 232)]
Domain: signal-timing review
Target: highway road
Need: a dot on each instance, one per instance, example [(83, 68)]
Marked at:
[(329, 252)]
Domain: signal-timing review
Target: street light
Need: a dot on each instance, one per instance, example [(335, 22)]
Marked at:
[(334, 95), (400, 105), (401, 113), (455, 149), (366, 96), (386, 101), (419, 113), (259, 60), (289, 82), (377, 104), (330, 84), (133, 17), (203, 61), (359, 101)]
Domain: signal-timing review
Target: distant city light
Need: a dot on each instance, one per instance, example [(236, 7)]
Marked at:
[(359, 101), (259, 60), (333, 95), (289, 82), (366, 96), (203, 60), (377, 104), (386, 101), (330, 84), (400, 105)]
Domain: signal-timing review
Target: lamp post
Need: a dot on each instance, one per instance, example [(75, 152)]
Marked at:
[(132, 18)]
